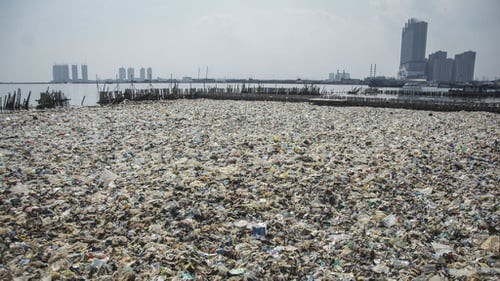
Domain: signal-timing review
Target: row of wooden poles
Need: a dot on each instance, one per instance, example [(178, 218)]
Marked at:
[(455, 94), (311, 94), (132, 94), (416, 104), (52, 99), (13, 101)]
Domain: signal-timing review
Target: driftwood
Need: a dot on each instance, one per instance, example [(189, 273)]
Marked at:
[(52, 99), (10, 101), (13, 102), (26, 102)]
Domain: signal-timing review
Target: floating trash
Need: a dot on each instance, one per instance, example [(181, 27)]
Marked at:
[(237, 271), (20, 189), (107, 177), (492, 244), (217, 190), (381, 268), (241, 223), (259, 229), (441, 249), (389, 221)]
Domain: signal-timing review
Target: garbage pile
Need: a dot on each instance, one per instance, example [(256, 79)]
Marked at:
[(235, 190)]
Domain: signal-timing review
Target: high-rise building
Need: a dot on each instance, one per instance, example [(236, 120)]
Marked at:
[(463, 68), (74, 72), (85, 73), (150, 73), (60, 73), (142, 72), (130, 73), (439, 67), (413, 44), (122, 73)]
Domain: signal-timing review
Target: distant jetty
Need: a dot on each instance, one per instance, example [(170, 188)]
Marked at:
[(315, 95)]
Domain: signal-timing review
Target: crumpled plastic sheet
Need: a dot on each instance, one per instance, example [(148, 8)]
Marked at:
[(203, 189)]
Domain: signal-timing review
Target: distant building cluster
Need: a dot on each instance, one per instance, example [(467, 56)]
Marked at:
[(61, 73), (438, 67), (339, 76), (443, 69), (129, 74)]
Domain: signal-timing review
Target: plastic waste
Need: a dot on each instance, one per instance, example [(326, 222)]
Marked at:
[(216, 190), (107, 177), (259, 229)]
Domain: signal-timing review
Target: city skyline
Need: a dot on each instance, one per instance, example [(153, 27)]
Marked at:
[(437, 67), (235, 39)]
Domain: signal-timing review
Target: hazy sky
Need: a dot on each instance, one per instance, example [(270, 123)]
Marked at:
[(269, 39)]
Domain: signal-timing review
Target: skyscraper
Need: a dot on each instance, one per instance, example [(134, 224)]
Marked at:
[(413, 44), (74, 72), (130, 73), (142, 72), (122, 73), (150, 73), (60, 73), (463, 68), (439, 67), (85, 73)]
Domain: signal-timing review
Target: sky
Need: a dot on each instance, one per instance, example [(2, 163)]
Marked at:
[(261, 39)]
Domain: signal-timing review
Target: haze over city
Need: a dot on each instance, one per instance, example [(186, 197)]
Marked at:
[(237, 39)]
